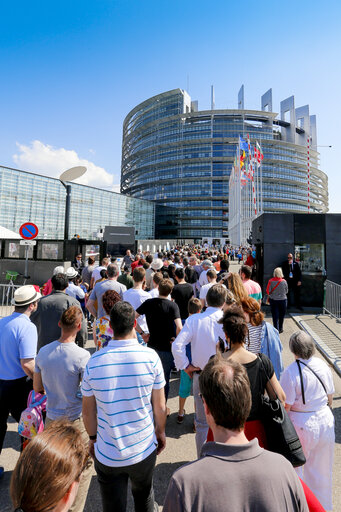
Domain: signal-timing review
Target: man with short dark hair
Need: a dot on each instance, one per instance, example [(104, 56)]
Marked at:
[(136, 295), (51, 308), (203, 331), (211, 276), (128, 258), (124, 412), (96, 273), (224, 268), (293, 276), (182, 292), (164, 323), (100, 288), (149, 272), (125, 278), (232, 473), (252, 288)]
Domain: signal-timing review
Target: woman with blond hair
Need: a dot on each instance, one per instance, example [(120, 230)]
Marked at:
[(262, 337), (235, 285), (277, 290)]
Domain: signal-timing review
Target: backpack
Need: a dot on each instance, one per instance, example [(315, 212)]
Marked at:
[(191, 275), (31, 420)]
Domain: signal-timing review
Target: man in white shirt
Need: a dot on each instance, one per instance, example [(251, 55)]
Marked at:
[(211, 276), (96, 273), (136, 295), (203, 332), (206, 265), (73, 290)]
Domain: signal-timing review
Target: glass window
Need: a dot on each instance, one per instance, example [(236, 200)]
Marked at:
[(310, 258)]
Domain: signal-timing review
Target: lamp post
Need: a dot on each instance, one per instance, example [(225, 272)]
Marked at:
[(70, 175)]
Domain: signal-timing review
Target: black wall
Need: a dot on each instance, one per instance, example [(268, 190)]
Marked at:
[(275, 235)]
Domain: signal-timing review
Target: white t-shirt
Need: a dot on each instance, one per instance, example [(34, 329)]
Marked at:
[(315, 396), (122, 376), (136, 297), (96, 273), (203, 278), (155, 293), (204, 289)]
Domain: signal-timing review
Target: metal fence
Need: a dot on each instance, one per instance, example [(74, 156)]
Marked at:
[(6, 296), (332, 300)]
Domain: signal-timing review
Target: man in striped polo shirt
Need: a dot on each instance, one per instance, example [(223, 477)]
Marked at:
[(124, 412), (252, 288)]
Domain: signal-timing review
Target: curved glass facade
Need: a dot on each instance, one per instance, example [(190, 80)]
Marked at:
[(182, 158)]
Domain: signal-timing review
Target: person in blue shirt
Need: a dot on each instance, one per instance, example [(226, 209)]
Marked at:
[(18, 348)]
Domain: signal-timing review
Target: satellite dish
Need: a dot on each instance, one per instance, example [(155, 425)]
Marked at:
[(73, 173)]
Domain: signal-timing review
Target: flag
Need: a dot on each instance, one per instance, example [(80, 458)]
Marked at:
[(258, 153), (243, 144), (242, 158)]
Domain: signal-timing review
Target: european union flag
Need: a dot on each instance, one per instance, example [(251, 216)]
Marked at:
[(243, 144)]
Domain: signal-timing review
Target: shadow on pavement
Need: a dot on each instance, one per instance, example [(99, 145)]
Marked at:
[(337, 416)]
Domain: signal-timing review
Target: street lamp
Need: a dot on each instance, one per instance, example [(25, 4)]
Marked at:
[(69, 175)]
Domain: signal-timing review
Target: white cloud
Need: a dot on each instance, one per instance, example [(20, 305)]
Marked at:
[(50, 161)]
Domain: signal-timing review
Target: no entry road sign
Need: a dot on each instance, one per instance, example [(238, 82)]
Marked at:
[(28, 231)]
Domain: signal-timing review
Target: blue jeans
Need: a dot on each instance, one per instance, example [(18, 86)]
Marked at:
[(278, 309), (167, 364)]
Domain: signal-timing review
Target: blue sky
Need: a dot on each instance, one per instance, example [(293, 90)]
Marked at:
[(71, 71)]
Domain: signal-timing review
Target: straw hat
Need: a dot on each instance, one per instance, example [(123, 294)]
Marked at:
[(25, 295), (71, 273), (156, 264)]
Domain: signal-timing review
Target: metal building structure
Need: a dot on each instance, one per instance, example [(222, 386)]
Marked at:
[(180, 156)]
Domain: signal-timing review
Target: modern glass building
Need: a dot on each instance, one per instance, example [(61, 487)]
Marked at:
[(182, 158), (25, 196)]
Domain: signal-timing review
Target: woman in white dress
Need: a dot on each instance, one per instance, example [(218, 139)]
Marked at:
[(308, 385)]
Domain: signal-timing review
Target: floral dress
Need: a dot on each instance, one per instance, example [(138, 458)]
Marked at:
[(104, 332)]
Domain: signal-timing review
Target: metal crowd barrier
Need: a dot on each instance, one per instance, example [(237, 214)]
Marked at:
[(332, 299), (6, 296)]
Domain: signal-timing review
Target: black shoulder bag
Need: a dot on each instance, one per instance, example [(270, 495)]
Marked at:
[(301, 378), (280, 432)]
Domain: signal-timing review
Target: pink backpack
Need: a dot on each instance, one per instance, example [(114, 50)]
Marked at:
[(31, 420)]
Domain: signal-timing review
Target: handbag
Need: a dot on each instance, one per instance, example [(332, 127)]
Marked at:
[(266, 298), (280, 432)]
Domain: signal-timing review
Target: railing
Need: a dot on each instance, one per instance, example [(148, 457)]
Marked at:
[(332, 300), (6, 296)]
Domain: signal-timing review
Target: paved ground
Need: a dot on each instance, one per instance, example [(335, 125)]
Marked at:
[(180, 444)]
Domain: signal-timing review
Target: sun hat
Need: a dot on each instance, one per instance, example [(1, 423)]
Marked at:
[(71, 273), (58, 270), (156, 264), (25, 295)]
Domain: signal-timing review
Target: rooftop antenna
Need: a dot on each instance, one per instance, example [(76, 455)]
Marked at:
[(212, 98), (188, 83)]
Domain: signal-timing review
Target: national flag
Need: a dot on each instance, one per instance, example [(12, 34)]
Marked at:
[(242, 158), (258, 153), (243, 144)]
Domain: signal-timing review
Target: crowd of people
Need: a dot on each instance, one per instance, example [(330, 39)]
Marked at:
[(148, 315)]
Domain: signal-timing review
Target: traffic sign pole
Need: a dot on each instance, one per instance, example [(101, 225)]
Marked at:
[(26, 261)]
